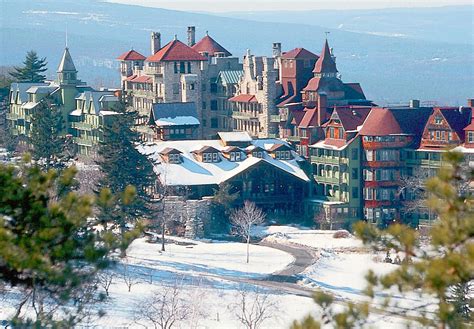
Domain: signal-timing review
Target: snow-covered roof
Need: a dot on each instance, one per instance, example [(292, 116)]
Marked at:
[(76, 112), (177, 121), (108, 113), (174, 114), (193, 172), (235, 136)]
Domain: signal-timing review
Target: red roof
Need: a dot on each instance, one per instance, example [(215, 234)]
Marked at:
[(325, 63), (309, 119), (300, 53), (380, 122), (297, 117), (131, 55), (130, 78), (176, 51), (352, 117), (244, 98), (338, 143), (142, 79), (210, 46)]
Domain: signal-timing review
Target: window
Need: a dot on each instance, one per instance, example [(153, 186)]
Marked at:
[(258, 154), (355, 173), (204, 105), (182, 67), (450, 136), (340, 133), (174, 158), (307, 63), (438, 135), (191, 86), (368, 194), (331, 132), (354, 154), (189, 67), (175, 67), (369, 155), (213, 105), (175, 88), (438, 120), (368, 175), (355, 192), (214, 123), (470, 136), (213, 88), (215, 157)]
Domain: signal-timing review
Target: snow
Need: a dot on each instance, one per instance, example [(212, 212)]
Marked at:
[(76, 112), (177, 121), (316, 239), (193, 172), (216, 258), (235, 136)]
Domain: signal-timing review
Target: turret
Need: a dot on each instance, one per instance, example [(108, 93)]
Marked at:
[(67, 73)]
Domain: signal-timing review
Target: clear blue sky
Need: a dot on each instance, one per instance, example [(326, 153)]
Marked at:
[(254, 5)]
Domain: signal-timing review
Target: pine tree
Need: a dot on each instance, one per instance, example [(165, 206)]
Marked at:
[(443, 269), (46, 134), (124, 166), (49, 247), (32, 69)]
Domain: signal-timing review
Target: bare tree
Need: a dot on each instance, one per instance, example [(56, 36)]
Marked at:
[(244, 218), (253, 307), (128, 276), (166, 308), (105, 279)]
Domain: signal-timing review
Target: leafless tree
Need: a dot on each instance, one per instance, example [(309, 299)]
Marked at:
[(128, 276), (166, 308), (105, 279), (412, 191), (322, 219), (253, 307), (244, 218)]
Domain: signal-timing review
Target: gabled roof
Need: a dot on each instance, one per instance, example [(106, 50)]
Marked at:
[(351, 117), (299, 53), (66, 64), (457, 118), (324, 84), (235, 136), (170, 150), (206, 149), (174, 114), (309, 119), (381, 122), (325, 63), (210, 46), (131, 55), (244, 98), (232, 149), (297, 116), (353, 91), (141, 79), (176, 51), (278, 147)]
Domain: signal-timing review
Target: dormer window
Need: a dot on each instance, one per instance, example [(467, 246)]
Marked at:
[(210, 157), (470, 136), (174, 158), (438, 119), (257, 154), (283, 155)]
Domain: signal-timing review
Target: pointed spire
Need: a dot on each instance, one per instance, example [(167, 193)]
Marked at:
[(66, 64), (325, 63)]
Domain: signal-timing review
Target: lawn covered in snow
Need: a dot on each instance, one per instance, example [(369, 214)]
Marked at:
[(209, 258)]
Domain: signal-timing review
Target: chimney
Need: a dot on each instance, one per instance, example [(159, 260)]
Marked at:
[(414, 103), (155, 42), (191, 36), (322, 107), (276, 49), (470, 102)]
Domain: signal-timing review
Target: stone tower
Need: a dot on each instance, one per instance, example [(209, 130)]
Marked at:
[(191, 36), (155, 42)]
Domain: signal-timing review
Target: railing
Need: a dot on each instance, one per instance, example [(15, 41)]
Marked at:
[(13, 116), (82, 126), (243, 115), (143, 93), (324, 159), (327, 180), (293, 138), (84, 142), (156, 70), (275, 118)]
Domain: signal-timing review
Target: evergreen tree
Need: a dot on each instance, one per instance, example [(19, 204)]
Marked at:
[(443, 269), (49, 247), (123, 166), (32, 69), (46, 135), (222, 203)]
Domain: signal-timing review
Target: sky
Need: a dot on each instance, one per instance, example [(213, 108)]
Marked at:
[(266, 5)]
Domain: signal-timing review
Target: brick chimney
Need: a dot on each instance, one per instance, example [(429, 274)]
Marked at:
[(191, 36), (322, 107), (470, 102), (155, 42)]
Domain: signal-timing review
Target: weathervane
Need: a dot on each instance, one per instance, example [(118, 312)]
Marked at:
[(327, 34)]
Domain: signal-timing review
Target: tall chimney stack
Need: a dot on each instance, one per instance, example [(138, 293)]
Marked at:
[(322, 107), (276, 49), (414, 103), (191, 36), (155, 42)]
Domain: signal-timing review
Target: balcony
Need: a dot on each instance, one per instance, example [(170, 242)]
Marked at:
[(326, 180), (83, 141), (12, 116), (143, 93), (244, 115), (325, 159), (82, 126), (275, 118), (293, 138), (431, 163), (154, 70)]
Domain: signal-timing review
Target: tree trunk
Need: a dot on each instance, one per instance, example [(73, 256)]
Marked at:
[(248, 246), (163, 235)]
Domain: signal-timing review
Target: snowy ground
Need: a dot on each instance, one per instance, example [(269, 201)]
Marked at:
[(213, 274)]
